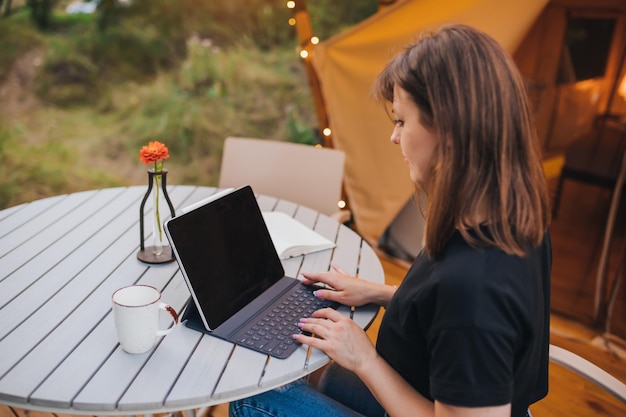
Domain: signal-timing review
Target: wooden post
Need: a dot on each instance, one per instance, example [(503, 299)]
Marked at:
[(305, 33)]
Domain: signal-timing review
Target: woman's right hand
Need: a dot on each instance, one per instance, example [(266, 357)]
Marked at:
[(346, 289)]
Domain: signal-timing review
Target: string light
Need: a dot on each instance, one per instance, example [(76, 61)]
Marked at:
[(304, 51), (313, 40)]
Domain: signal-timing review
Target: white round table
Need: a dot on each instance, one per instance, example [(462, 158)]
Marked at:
[(62, 257)]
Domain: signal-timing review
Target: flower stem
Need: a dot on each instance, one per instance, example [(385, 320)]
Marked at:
[(158, 167)]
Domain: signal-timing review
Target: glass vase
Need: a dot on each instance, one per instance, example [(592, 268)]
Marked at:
[(158, 253), (157, 224)]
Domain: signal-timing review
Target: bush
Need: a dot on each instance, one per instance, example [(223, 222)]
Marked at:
[(240, 91), (259, 22), (68, 79), (29, 172), (82, 69), (329, 17), (16, 38), (129, 52)]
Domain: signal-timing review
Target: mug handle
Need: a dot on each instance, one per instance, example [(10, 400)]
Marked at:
[(174, 315)]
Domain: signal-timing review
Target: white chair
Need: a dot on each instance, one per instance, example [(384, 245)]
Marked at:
[(304, 174), (589, 371)]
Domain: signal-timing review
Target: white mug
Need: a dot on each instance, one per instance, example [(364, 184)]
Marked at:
[(136, 314)]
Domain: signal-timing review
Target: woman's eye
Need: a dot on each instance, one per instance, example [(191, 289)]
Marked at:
[(398, 123)]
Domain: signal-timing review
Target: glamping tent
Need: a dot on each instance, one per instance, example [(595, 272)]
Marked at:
[(343, 68), (376, 181), (568, 89)]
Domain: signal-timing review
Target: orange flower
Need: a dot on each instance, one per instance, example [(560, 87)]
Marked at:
[(153, 152)]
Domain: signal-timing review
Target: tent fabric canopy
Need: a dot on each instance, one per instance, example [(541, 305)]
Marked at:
[(376, 181)]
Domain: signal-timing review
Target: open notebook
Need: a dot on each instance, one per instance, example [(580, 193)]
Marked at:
[(292, 238)]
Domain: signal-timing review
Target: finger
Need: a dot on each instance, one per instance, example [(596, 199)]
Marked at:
[(323, 277), (327, 295), (340, 270), (308, 281), (311, 276), (308, 340), (327, 313), (319, 328)]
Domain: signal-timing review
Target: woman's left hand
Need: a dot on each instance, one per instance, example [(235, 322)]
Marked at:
[(339, 337)]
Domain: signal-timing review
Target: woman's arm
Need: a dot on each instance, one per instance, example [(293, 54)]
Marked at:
[(399, 399), (444, 410), (348, 290), (392, 391), (346, 343)]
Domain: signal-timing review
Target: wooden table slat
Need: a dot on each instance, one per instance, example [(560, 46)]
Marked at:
[(278, 371), (242, 374), (13, 239), (369, 262), (201, 375), (9, 211), (347, 252), (266, 203), (286, 207), (307, 216), (17, 216), (151, 387)]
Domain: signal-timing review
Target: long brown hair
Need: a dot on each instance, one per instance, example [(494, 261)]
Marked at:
[(487, 172)]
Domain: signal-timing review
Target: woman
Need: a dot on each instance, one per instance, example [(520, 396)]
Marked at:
[(466, 334)]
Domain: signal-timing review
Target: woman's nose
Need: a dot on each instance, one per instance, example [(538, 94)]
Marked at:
[(395, 137)]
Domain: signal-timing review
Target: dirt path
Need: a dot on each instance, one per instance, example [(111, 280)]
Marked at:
[(17, 99)]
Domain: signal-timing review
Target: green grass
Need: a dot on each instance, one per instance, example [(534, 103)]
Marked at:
[(96, 97), (29, 172), (240, 91)]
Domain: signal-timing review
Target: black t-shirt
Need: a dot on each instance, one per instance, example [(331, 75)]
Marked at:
[(471, 328)]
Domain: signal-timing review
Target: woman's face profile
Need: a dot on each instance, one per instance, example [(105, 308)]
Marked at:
[(417, 143)]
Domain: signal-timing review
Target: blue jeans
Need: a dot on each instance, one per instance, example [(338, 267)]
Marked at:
[(341, 394)]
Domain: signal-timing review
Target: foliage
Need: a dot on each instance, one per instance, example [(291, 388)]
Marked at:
[(129, 52), (81, 70), (68, 78), (215, 94), (300, 132), (17, 38), (40, 11), (329, 17), (260, 22), (186, 72), (29, 172)]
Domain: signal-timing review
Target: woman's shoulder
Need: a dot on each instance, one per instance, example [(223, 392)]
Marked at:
[(464, 265)]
